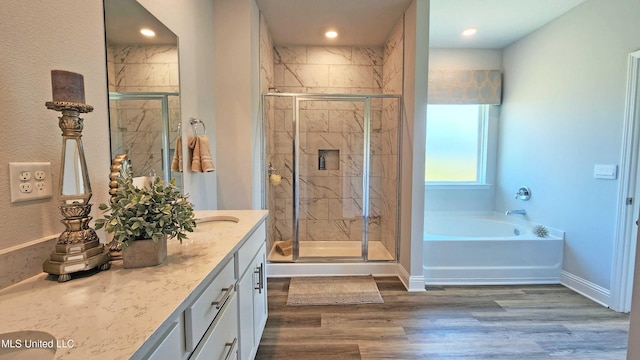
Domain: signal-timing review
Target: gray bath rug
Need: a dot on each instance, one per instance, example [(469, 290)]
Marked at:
[(333, 290)]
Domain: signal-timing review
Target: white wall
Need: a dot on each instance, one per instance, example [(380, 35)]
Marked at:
[(562, 112), (465, 59), (192, 22), (237, 93), (416, 58)]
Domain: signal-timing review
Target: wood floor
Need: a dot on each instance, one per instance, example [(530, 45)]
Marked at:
[(451, 322)]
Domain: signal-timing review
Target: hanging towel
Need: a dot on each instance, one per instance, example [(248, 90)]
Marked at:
[(201, 159), (176, 163)]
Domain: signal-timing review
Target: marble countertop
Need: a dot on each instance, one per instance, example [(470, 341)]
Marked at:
[(110, 314)]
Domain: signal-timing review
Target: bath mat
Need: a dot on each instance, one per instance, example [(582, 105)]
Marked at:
[(333, 290)]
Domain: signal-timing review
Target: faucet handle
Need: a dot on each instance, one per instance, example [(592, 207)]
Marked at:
[(524, 193)]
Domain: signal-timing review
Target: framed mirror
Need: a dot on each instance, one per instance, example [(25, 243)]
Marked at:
[(144, 85)]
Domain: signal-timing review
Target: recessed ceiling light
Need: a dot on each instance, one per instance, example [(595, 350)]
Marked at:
[(147, 32), (331, 34), (469, 32)]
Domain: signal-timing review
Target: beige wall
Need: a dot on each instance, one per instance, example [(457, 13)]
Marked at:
[(192, 22), (237, 95), (38, 37), (41, 36)]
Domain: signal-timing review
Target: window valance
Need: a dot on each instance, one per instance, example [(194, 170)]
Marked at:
[(465, 87)]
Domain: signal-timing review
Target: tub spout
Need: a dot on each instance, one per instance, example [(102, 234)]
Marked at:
[(515, 212)]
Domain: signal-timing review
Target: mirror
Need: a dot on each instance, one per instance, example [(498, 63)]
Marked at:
[(74, 184), (144, 99)]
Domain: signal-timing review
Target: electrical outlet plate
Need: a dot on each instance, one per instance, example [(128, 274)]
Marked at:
[(30, 181)]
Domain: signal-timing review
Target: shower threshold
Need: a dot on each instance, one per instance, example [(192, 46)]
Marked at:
[(328, 249)]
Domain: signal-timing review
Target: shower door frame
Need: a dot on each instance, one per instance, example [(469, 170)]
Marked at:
[(163, 97), (364, 254), (366, 100)]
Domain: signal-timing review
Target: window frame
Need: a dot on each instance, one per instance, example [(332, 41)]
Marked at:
[(481, 161)]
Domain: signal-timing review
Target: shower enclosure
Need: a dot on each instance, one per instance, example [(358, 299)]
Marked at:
[(331, 170), (145, 125)]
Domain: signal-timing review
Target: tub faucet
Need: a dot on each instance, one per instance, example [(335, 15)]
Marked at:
[(514, 212)]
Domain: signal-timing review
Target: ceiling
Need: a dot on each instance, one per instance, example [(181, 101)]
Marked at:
[(363, 22), (369, 22), (125, 18)]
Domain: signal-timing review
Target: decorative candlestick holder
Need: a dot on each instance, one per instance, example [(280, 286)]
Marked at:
[(78, 247)]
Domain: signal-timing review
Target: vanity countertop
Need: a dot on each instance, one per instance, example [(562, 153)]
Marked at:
[(110, 314)]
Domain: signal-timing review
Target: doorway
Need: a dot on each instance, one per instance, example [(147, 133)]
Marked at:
[(628, 195)]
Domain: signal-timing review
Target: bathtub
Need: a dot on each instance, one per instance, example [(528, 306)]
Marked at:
[(489, 249)]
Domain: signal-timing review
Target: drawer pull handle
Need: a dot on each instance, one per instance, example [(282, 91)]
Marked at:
[(231, 345), (259, 270), (225, 297)]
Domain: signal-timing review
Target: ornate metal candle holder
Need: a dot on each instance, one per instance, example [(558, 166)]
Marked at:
[(78, 247), (120, 169)]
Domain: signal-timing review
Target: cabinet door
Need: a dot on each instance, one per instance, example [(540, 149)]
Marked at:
[(245, 316), (252, 296), (259, 296)]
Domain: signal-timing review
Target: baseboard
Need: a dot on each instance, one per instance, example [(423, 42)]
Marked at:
[(586, 288), (412, 283)]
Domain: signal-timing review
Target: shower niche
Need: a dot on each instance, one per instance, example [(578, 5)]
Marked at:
[(328, 159), (337, 157)]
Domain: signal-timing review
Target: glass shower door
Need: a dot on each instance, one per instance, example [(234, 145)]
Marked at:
[(145, 126), (331, 177)]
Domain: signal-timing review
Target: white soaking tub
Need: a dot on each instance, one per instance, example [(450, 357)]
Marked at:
[(489, 249)]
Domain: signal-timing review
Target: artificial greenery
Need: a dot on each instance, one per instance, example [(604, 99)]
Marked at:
[(147, 213)]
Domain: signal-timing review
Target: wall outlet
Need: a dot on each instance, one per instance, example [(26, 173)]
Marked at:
[(25, 187), (30, 181)]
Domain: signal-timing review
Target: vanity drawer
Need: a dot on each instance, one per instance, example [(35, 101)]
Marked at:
[(170, 347), (221, 340), (200, 315), (249, 249)]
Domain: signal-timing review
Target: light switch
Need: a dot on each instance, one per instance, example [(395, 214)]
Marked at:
[(605, 171)]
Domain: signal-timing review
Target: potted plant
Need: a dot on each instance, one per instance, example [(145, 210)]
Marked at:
[(143, 218)]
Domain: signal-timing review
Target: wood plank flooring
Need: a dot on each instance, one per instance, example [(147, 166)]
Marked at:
[(451, 322)]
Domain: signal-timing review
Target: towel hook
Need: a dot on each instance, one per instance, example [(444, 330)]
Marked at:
[(194, 122)]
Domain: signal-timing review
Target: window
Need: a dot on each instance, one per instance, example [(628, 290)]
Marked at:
[(456, 144)]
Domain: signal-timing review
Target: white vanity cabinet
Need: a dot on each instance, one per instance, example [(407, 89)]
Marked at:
[(252, 293), (224, 318), (207, 300)]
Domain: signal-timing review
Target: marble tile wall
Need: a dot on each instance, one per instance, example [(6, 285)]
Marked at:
[(392, 84), (136, 125), (266, 82), (331, 199), (338, 70)]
